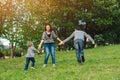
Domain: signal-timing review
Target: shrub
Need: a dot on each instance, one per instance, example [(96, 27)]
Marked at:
[(17, 52), (99, 39)]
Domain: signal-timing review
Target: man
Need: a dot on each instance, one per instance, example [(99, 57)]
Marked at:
[(78, 43)]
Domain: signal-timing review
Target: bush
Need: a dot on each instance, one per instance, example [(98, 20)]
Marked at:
[(2, 55), (105, 38), (109, 37), (6, 52), (99, 39), (17, 52)]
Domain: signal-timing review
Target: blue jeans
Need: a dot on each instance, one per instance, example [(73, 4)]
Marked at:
[(28, 59), (79, 45), (49, 49)]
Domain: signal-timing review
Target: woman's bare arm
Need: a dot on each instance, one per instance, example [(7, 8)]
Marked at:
[(40, 45)]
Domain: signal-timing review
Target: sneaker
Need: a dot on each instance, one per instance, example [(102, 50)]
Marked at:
[(80, 63), (54, 65), (83, 59), (25, 69), (44, 65), (32, 67)]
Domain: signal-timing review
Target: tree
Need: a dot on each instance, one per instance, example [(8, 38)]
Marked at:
[(26, 18)]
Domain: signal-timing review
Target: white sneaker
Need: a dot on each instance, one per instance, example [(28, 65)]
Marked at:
[(54, 65), (32, 67), (44, 65)]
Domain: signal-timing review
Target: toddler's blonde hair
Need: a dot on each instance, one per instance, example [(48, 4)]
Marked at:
[(29, 43)]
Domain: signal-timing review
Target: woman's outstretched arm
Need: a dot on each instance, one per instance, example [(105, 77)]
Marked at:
[(59, 39), (56, 36), (40, 45)]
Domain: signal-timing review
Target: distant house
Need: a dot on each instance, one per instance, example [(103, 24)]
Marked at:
[(2, 46)]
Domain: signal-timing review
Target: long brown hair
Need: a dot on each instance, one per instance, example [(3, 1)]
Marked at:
[(48, 25)]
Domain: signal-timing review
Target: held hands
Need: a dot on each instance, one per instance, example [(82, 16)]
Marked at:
[(61, 43)]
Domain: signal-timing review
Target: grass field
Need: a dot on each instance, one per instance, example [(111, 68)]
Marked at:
[(102, 63)]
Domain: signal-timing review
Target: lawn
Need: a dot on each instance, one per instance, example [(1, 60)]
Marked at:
[(102, 63)]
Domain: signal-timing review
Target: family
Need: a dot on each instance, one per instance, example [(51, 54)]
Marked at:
[(49, 46)]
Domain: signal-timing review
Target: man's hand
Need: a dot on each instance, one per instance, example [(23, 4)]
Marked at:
[(93, 43)]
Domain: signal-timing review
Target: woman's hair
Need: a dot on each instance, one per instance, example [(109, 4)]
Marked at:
[(29, 43), (48, 25)]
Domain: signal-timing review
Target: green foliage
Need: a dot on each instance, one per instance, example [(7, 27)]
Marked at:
[(29, 17), (99, 39), (5, 52), (110, 37), (105, 38)]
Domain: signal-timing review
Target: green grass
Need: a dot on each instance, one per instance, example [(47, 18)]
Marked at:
[(102, 63)]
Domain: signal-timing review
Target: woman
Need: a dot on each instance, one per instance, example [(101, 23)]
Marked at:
[(78, 43), (49, 44)]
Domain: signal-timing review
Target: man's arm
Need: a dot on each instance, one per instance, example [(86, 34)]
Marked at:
[(67, 39), (90, 38)]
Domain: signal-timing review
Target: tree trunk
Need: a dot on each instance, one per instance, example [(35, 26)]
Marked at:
[(12, 51)]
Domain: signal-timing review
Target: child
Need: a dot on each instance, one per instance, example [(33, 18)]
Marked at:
[(78, 43), (30, 55)]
